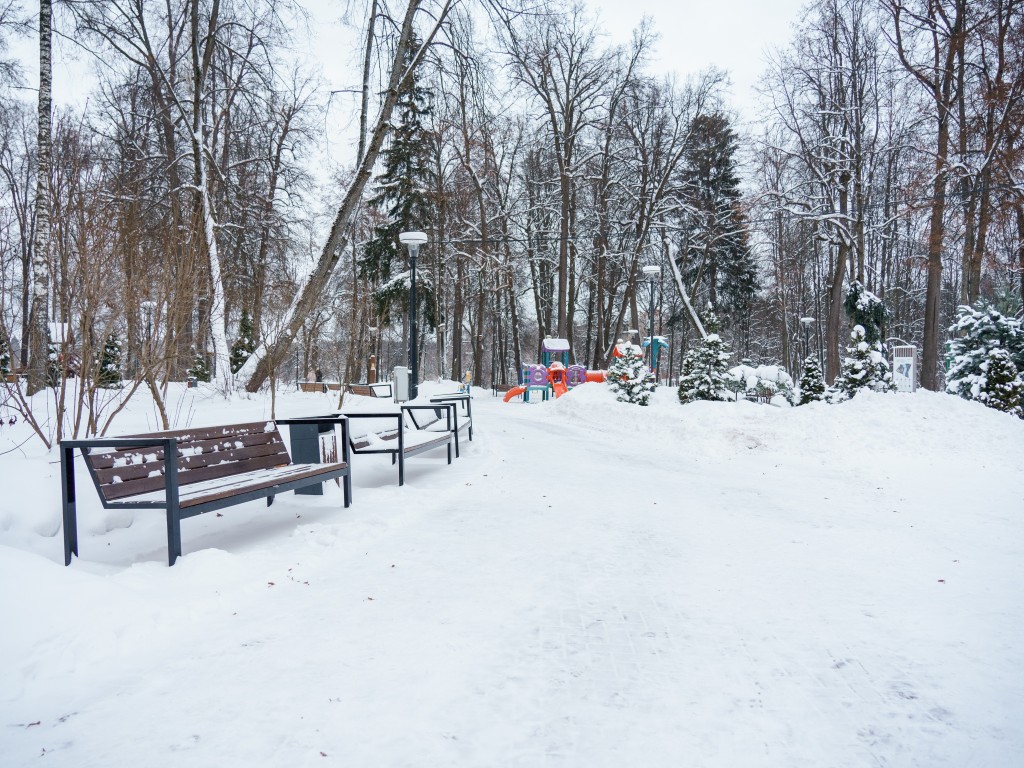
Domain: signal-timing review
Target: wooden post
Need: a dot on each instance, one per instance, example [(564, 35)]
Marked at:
[(371, 377)]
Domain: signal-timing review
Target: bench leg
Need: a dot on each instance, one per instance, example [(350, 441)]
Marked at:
[(401, 468), (449, 451), (68, 505), (346, 485), (173, 534), (270, 499)]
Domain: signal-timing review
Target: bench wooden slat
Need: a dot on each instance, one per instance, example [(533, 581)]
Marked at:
[(187, 464), (217, 488), (135, 487)]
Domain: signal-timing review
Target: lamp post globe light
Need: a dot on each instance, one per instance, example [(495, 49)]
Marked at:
[(807, 322), (652, 272), (412, 241)]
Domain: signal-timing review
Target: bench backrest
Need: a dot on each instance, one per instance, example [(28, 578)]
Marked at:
[(380, 389), (203, 454)]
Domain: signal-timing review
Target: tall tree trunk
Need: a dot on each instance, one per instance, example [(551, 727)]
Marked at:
[(271, 351), (39, 336)]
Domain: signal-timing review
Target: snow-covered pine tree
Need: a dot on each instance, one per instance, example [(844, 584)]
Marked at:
[(864, 367), (54, 372), (401, 196), (200, 368), (5, 357), (629, 377), (1003, 388), (109, 374), (977, 331), (866, 310), (812, 382), (244, 345), (715, 226), (705, 368)]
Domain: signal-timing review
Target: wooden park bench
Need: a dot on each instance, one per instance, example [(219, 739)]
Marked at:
[(215, 467), (379, 389), (319, 386), (387, 432)]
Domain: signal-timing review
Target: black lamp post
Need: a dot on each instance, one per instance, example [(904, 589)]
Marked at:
[(412, 241), (807, 322), (653, 272)]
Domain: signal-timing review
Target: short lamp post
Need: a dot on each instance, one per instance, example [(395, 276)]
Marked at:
[(652, 272), (148, 308), (807, 322), (412, 241)]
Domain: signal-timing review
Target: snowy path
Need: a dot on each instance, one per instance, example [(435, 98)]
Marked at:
[(567, 594)]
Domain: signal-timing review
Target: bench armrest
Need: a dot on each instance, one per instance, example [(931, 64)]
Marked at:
[(449, 409), (118, 442), (333, 418), (456, 397)]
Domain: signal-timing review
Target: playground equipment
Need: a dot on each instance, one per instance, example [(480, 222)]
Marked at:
[(554, 375)]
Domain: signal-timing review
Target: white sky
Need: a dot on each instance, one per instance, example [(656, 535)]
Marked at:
[(731, 34)]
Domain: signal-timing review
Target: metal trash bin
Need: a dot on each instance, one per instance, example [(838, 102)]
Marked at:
[(402, 380)]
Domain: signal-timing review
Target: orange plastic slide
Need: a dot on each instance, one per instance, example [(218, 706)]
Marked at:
[(559, 388), (514, 392)]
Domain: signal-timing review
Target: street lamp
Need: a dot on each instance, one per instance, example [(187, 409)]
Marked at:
[(412, 241), (653, 273), (807, 322), (148, 307)]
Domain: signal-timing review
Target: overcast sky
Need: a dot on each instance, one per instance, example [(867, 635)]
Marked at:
[(731, 34)]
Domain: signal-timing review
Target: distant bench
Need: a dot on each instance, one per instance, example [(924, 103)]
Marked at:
[(318, 386), (435, 423), (379, 389), (215, 467), (388, 432)]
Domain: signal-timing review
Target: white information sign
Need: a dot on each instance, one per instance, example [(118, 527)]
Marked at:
[(904, 368)]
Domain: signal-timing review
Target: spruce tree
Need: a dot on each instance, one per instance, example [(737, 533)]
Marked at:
[(812, 382), (715, 227), (54, 369), (864, 367), (109, 374), (866, 310), (403, 201), (244, 345), (705, 368), (200, 368), (1003, 388), (976, 332), (5, 357), (629, 377)]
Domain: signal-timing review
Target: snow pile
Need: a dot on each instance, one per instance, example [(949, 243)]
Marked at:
[(764, 380), (718, 584)]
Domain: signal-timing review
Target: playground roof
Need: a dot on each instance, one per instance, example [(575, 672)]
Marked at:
[(555, 345)]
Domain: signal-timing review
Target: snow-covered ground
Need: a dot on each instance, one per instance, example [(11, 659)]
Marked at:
[(591, 584)]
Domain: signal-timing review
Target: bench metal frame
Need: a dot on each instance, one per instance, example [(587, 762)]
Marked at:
[(399, 453), (171, 503)]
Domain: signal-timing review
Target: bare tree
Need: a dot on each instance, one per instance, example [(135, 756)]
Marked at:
[(39, 329), (928, 36), (272, 350)]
